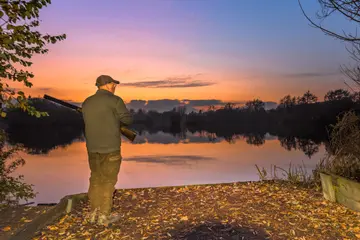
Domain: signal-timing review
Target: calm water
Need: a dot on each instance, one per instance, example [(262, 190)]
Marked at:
[(161, 160)]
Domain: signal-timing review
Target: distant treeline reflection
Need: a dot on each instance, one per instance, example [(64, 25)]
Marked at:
[(299, 123)]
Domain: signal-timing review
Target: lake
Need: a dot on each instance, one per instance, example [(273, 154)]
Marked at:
[(164, 159)]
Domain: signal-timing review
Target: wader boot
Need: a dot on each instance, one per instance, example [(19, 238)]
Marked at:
[(104, 168)]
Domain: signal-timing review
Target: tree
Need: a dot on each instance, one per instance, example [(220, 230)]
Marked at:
[(355, 97), (12, 188), (307, 98), (19, 41), (287, 102), (255, 105), (211, 108), (336, 95), (350, 10), (229, 106)]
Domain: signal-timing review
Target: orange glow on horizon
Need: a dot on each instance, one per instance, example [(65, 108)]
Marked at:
[(70, 68)]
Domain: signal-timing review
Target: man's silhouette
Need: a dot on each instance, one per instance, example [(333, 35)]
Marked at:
[(104, 113)]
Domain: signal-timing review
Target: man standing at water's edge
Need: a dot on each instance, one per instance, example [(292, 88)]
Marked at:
[(104, 113)]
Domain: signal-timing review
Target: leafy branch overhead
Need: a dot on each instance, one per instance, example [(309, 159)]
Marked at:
[(19, 42)]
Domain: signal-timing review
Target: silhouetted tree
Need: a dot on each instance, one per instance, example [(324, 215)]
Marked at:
[(255, 105), (229, 106), (211, 108), (355, 97), (307, 98), (336, 95), (287, 102)]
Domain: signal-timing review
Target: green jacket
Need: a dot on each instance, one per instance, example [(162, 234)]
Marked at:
[(103, 115)]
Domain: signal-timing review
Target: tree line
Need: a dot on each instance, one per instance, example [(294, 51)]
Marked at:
[(302, 117), (303, 110)]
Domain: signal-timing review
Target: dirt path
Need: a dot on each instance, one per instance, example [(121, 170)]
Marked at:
[(223, 211)]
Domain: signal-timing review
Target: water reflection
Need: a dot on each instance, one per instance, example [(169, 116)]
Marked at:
[(43, 140), (255, 139), (56, 160), (163, 160), (170, 159), (308, 146)]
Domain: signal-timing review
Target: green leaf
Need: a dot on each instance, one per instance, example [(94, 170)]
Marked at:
[(20, 43)]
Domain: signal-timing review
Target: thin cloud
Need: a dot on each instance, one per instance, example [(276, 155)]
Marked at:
[(171, 82), (45, 89), (310, 74)]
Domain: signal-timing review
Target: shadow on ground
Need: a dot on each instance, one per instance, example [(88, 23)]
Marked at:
[(215, 231)]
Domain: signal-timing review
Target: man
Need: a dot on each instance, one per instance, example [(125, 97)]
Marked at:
[(104, 113)]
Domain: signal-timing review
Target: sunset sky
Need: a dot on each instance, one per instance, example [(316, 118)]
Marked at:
[(224, 50)]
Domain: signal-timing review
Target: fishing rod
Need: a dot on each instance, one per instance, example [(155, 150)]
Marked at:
[(128, 133)]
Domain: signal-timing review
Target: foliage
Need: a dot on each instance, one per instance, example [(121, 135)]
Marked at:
[(307, 98), (270, 210), (345, 143), (287, 102), (229, 106), (211, 108), (19, 42), (294, 175), (336, 95), (255, 105), (12, 189), (355, 97)]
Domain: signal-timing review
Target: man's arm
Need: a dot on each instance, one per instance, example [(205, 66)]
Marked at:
[(123, 113)]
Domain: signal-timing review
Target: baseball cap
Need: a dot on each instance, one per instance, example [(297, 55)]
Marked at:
[(105, 79)]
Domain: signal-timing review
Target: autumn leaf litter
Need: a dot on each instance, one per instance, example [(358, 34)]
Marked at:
[(253, 210)]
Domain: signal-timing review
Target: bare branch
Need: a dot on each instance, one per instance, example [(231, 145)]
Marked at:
[(328, 32)]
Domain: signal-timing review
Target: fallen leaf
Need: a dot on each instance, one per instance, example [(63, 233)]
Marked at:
[(6, 229)]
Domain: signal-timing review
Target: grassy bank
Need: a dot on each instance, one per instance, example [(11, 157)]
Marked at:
[(254, 210)]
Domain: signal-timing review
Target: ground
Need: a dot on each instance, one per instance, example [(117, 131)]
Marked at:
[(253, 210), (12, 219)]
